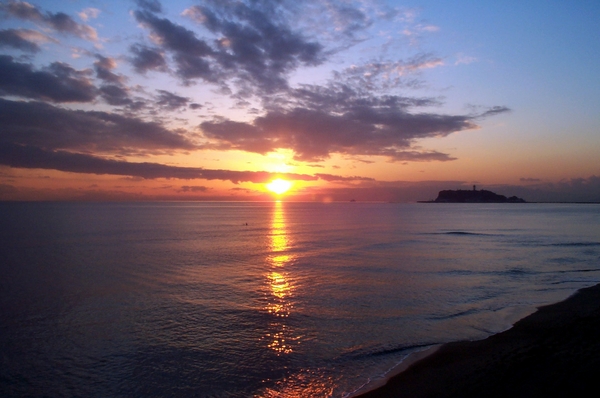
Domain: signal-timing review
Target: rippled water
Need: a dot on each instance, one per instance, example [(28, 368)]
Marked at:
[(266, 299)]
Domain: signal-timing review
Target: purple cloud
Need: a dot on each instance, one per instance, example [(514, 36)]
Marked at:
[(26, 156), (146, 58), (18, 39), (46, 126), (59, 21), (316, 122), (58, 82)]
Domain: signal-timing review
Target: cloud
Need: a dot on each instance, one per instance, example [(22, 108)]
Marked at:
[(392, 191), (568, 190), (23, 39), (385, 75), (115, 94), (248, 49), (464, 59), (338, 24), (529, 179), (9, 192), (416, 156), (428, 28), (314, 135), (572, 190), (46, 126), (343, 118), (57, 83), (25, 156), (6, 190), (335, 178), (171, 101), (253, 40), (104, 67), (113, 91), (149, 5), (89, 13), (59, 21), (252, 44), (188, 188), (256, 45), (146, 58), (412, 30), (348, 19), (494, 110), (189, 52)]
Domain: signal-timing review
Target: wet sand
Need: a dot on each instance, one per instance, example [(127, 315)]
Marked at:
[(554, 352)]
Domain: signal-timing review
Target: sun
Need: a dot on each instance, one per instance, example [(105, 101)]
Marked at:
[(279, 186)]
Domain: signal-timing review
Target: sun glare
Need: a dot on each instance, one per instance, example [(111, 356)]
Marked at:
[(279, 186)]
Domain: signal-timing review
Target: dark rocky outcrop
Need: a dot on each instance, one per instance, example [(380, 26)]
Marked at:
[(474, 196)]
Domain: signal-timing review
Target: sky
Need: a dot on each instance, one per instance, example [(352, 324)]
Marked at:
[(370, 100)]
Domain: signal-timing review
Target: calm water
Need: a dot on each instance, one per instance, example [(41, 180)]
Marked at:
[(306, 300)]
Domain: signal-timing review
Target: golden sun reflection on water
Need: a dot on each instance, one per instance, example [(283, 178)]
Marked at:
[(279, 238), (279, 286), (280, 337)]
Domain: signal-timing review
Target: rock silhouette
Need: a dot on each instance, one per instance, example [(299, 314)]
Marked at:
[(474, 196)]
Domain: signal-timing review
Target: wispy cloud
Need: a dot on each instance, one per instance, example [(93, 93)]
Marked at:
[(250, 60), (171, 101), (344, 118), (59, 21), (45, 126), (58, 82), (250, 44), (23, 39), (464, 59), (88, 13), (145, 58)]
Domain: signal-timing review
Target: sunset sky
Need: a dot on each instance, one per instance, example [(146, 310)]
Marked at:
[(367, 100)]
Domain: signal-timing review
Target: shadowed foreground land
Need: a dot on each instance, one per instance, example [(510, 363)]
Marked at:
[(554, 352)]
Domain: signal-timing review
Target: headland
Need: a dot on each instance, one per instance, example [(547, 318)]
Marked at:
[(472, 196)]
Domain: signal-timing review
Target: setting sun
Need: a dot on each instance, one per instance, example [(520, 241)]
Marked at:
[(279, 186)]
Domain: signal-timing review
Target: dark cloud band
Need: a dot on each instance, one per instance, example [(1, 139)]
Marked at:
[(29, 157), (58, 82), (47, 126)]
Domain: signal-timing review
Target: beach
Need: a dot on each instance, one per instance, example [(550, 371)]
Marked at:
[(552, 352)]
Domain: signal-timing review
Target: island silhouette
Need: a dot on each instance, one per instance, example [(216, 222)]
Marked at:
[(473, 196)]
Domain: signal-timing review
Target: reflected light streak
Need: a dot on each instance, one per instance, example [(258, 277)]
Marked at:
[(304, 384), (280, 339), (279, 286), (279, 238)]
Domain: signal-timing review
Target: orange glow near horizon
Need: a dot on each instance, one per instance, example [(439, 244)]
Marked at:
[(279, 186)]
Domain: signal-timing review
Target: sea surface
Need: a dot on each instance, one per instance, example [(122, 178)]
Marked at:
[(274, 299)]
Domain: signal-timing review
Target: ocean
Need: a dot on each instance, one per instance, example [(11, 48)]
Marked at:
[(282, 299)]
